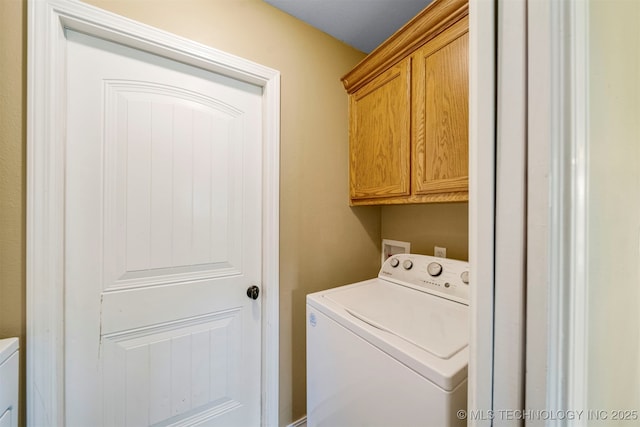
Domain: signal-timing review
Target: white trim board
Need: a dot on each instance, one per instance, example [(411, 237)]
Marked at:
[(561, 47), (510, 209), (47, 20), (482, 149), (302, 422), (538, 209)]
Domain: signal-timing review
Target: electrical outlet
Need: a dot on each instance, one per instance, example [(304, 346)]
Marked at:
[(439, 252)]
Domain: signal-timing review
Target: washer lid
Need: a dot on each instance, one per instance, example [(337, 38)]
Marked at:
[(434, 324)]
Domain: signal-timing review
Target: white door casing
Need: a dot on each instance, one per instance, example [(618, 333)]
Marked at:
[(482, 196), (57, 227)]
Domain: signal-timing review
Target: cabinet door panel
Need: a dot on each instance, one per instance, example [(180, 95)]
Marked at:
[(379, 136), (441, 113)]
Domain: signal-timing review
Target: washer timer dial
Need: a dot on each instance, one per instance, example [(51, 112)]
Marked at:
[(434, 269), (464, 276)]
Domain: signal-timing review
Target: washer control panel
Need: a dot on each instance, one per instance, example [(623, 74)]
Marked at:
[(444, 277)]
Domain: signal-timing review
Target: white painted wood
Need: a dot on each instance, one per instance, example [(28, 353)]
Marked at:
[(482, 140), (137, 386), (302, 422), (556, 314), (180, 375), (200, 372), (174, 379), (538, 213), (136, 143), (161, 198), (567, 387), (558, 69), (576, 306), (189, 218), (47, 96), (96, 308), (511, 195), (9, 382), (159, 380)]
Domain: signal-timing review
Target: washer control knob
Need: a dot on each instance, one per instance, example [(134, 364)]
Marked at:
[(464, 276), (434, 269), (407, 264), (394, 262)]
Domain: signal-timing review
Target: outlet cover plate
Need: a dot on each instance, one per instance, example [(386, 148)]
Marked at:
[(439, 252)]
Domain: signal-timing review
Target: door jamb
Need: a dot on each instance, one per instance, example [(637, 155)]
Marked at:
[(46, 118), (482, 176), (561, 383)]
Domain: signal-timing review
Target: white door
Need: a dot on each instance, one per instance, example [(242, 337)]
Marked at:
[(162, 239)]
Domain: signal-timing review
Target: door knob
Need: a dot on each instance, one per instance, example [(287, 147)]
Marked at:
[(253, 292)]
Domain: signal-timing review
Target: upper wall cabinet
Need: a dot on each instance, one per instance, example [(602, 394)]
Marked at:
[(380, 134), (440, 113), (408, 112)]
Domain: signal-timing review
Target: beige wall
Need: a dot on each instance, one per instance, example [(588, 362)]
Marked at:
[(613, 270), (12, 177), (324, 243), (425, 226)]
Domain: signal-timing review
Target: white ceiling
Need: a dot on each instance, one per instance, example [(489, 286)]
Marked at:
[(363, 24)]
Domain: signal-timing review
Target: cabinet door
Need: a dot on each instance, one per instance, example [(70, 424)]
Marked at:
[(379, 136), (441, 113)]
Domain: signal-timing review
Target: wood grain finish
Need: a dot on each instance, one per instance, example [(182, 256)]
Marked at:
[(458, 196), (441, 113), (409, 112), (380, 135), (433, 20)]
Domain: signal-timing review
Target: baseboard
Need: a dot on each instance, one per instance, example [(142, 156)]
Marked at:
[(302, 422)]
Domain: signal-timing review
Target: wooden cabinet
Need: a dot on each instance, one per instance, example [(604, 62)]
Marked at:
[(440, 113), (380, 135), (408, 113)]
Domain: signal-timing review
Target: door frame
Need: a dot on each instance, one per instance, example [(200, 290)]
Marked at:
[(556, 103), (559, 329), (497, 208), (46, 118), (482, 206)]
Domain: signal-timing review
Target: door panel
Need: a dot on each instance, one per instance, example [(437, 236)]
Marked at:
[(379, 136), (164, 372), (441, 112), (163, 236), (183, 222)]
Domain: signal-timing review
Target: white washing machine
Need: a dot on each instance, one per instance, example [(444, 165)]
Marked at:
[(391, 351)]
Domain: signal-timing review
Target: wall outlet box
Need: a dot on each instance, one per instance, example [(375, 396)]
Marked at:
[(394, 247), (439, 252)]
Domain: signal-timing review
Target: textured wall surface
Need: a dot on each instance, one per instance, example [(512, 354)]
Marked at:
[(425, 226), (12, 171), (613, 212)]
